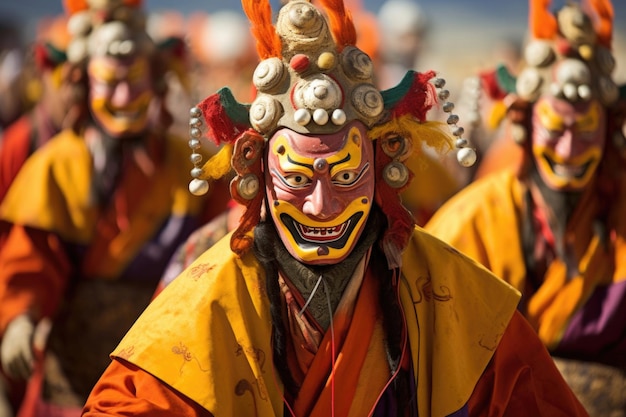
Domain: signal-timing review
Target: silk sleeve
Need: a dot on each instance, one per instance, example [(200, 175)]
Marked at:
[(126, 390), (14, 149), (34, 272), (522, 380)]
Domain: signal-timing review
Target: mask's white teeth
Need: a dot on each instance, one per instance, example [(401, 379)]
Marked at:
[(324, 233), (568, 170)]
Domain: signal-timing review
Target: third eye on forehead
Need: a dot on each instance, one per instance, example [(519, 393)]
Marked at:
[(320, 165)]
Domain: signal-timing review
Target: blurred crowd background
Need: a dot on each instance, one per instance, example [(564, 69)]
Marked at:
[(457, 38)]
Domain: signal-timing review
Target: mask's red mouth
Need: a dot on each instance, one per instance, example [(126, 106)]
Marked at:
[(322, 234)]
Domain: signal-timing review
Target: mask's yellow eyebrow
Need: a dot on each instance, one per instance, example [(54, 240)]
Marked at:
[(291, 161), (349, 157), (137, 70), (102, 72), (109, 73), (590, 121), (548, 117)]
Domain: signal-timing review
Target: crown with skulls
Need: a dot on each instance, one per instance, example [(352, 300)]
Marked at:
[(568, 56), (106, 28), (315, 86), (313, 79)]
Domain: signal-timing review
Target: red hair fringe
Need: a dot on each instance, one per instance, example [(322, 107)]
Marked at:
[(400, 221), (259, 13), (341, 23), (543, 24), (419, 98), (604, 28), (247, 157), (73, 6), (240, 240)]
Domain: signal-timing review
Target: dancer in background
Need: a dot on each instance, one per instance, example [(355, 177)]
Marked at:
[(36, 127), (95, 214), (554, 226)]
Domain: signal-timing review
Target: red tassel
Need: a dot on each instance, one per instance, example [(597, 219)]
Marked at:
[(420, 97), (223, 128), (490, 85)]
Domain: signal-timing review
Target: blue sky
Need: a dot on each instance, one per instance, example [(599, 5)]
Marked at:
[(505, 16)]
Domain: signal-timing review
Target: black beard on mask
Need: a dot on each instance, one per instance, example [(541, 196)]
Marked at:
[(108, 154), (561, 205), (273, 256), (270, 249)]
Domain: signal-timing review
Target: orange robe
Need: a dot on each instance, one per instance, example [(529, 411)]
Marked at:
[(579, 316), (516, 383), (92, 268), (203, 345)]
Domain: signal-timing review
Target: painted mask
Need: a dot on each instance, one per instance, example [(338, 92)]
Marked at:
[(120, 94), (568, 142), (320, 190)]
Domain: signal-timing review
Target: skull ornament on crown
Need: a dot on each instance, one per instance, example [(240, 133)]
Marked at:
[(117, 25), (575, 63)]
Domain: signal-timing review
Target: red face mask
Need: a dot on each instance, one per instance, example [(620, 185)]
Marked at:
[(567, 142), (120, 92), (320, 191)]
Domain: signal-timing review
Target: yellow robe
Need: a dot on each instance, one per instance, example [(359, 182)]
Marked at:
[(207, 335), (484, 222)]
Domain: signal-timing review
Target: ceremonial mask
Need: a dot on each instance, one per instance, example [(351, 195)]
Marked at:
[(320, 190), (120, 94), (567, 141)]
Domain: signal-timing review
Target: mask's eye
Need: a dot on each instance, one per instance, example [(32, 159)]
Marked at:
[(589, 123), (555, 134), (586, 136), (551, 134), (296, 180), (346, 178)]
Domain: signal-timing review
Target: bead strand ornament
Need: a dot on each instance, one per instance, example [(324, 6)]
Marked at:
[(466, 156), (197, 186)]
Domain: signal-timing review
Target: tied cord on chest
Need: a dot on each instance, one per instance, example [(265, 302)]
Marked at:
[(321, 280), (273, 256)]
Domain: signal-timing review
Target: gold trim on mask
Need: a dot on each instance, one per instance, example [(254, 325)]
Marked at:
[(132, 119), (553, 122), (549, 162), (348, 158), (590, 121), (315, 239), (549, 118)]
